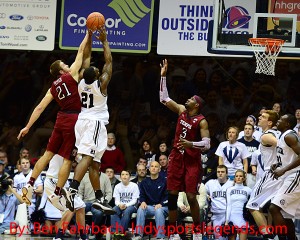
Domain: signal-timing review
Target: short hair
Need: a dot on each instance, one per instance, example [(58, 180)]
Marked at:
[(248, 124), (273, 116), (89, 75), (126, 170), (140, 164), (110, 168), (292, 120), (55, 68), (223, 166)]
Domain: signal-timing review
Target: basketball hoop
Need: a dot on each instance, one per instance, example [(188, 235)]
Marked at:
[(266, 51)]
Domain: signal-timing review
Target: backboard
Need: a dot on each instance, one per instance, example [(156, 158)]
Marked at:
[(235, 21)]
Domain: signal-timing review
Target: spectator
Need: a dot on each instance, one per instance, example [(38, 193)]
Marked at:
[(236, 197), (216, 191), (113, 156), (154, 202), (147, 152), (125, 195), (251, 145), (87, 194), (162, 149), (3, 174), (232, 153), (9, 200), (257, 130), (110, 172), (297, 115), (141, 174), (21, 179), (164, 162), (7, 168)]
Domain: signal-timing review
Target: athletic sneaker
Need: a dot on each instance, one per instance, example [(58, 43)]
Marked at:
[(197, 236), (27, 192), (69, 196), (103, 206), (137, 237), (58, 201), (174, 237)]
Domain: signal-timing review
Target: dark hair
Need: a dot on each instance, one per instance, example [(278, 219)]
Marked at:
[(292, 120), (126, 170), (248, 124), (89, 75), (55, 68)]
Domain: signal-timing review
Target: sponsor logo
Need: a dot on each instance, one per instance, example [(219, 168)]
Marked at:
[(41, 28), (2, 36), (2, 27), (20, 37), (282, 201), (2, 15), (13, 28), (30, 17), (254, 204), (16, 17), (133, 14), (41, 38), (28, 28)]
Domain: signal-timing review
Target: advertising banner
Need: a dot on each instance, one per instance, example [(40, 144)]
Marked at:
[(128, 24), (27, 25)]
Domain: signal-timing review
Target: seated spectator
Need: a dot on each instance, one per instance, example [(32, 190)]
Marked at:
[(232, 153), (147, 152), (141, 174), (236, 197), (7, 167), (216, 192), (21, 179), (9, 200), (3, 174), (163, 162), (126, 194), (162, 149), (113, 156), (184, 207), (110, 172), (154, 202), (87, 194)]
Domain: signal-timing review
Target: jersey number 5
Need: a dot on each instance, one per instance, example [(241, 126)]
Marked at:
[(87, 100)]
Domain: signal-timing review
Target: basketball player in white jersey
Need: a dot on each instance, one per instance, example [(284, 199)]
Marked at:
[(286, 200), (90, 130), (216, 191), (79, 206), (21, 179), (266, 187), (236, 197)]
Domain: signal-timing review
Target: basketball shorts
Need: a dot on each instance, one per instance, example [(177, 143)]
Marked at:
[(62, 139), (184, 172), (49, 186), (264, 190), (217, 221), (91, 138), (287, 197)]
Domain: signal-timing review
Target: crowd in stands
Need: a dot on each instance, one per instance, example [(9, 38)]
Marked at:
[(140, 132)]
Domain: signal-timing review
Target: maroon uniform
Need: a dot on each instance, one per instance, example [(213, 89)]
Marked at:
[(185, 167), (65, 92)]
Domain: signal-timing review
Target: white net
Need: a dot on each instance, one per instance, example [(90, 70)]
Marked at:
[(266, 51)]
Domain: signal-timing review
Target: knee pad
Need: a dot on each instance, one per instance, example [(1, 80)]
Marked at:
[(172, 201)]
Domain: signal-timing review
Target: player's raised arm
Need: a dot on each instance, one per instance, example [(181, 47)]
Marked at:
[(36, 113), (163, 91), (76, 66), (87, 54), (107, 68)]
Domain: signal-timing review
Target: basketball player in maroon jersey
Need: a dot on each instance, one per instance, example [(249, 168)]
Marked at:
[(191, 137), (64, 91)]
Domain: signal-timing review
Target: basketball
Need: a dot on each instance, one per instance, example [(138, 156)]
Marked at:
[(94, 21)]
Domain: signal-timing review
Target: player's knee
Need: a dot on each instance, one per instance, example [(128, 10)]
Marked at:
[(172, 201)]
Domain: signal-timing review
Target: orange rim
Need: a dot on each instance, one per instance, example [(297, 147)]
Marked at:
[(267, 41)]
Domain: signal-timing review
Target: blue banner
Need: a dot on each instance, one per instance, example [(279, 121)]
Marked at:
[(128, 24)]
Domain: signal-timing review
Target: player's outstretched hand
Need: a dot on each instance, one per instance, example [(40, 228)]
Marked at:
[(164, 68), (23, 132), (102, 34)]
